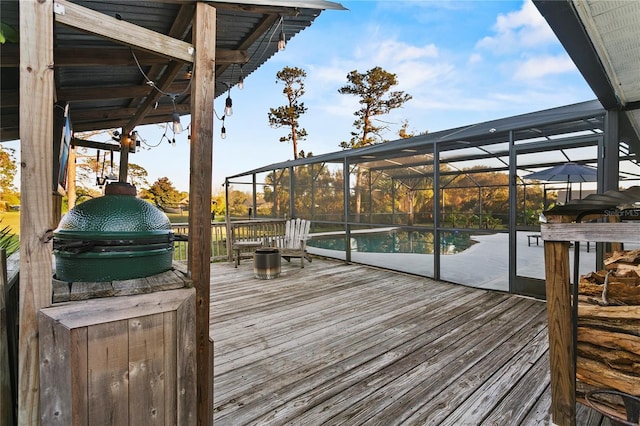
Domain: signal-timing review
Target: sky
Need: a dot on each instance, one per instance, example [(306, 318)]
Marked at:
[(463, 62)]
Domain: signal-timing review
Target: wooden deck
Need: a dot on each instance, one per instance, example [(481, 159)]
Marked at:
[(347, 344)]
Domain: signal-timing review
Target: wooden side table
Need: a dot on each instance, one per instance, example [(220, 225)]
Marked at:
[(238, 246)]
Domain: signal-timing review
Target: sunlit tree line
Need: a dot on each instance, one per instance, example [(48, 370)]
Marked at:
[(469, 198)]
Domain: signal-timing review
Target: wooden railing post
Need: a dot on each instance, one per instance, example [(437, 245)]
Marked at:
[(36, 212), (560, 321), (6, 395)]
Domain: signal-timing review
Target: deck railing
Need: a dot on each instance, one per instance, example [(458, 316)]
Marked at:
[(263, 230), (224, 234), (218, 242)]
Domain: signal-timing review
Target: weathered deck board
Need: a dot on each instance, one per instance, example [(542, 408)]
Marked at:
[(349, 344)]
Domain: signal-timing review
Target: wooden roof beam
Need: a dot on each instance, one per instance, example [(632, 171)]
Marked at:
[(95, 115), (105, 146), (90, 21), (111, 56), (120, 92)]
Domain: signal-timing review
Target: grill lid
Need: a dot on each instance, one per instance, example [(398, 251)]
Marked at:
[(115, 219), (114, 237)]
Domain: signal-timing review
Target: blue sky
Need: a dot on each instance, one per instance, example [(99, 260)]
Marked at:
[(463, 62)]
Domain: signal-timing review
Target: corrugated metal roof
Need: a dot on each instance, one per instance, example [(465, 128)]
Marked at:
[(101, 81)]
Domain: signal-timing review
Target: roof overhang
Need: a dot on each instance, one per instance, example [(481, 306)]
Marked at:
[(102, 47), (602, 38)]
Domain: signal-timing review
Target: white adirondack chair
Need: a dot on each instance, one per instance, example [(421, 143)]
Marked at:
[(294, 242)]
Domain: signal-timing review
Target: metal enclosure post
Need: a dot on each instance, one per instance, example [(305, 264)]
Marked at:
[(292, 182), (436, 212), (347, 227), (608, 158), (254, 201), (513, 211)]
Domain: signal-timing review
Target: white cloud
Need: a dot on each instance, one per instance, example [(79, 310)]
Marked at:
[(475, 58), (415, 66), (393, 51), (415, 75), (536, 68), (323, 75), (524, 28)]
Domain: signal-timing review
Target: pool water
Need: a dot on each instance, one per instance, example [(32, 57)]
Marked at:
[(397, 242)]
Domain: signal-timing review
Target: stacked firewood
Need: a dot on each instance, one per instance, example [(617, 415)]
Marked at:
[(609, 326)]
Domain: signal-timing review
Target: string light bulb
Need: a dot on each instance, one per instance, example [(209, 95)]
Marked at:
[(228, 105), (282, 42), (223, 131), (241, 79), (175, 117), (177, 125)]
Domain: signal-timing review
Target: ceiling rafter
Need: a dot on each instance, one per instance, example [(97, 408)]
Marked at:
[(90, 21), (114, 56), (180, 29), (259, 31)]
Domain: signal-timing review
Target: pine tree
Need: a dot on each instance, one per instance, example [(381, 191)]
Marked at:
[(289, 115), (374, 90)]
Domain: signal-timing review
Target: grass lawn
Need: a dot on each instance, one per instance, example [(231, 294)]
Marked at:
[(178, 217), (11, 219)]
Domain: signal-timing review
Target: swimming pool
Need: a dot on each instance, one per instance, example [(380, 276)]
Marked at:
[(397, 241)]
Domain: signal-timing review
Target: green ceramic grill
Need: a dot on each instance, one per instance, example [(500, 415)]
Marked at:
[(113, 237)]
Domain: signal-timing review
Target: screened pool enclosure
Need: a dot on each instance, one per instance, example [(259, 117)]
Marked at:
[(453, 205)]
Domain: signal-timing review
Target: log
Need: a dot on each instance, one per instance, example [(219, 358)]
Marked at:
[(628, 256), (630, 278), (597, 300), (599, 375), (614, 325), (614, 312), (611, 340), (619, 293), (617, 359), (621, 266)]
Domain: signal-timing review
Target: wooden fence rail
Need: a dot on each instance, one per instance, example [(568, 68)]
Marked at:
[(223, 235), (218, 242), (262, 230)]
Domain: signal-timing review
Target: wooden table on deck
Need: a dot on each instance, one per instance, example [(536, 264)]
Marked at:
[(238, 246)]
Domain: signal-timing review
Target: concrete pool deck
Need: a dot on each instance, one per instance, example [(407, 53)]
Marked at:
[(483, 265)]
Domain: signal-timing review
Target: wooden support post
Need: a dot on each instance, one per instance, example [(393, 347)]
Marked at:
[(202, 96), (6, 396), (56, 210), (36, 155), (561, 350), (71, 178), (124, 157)]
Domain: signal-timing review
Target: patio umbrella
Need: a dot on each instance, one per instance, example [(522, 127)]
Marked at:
[(567, 172)]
